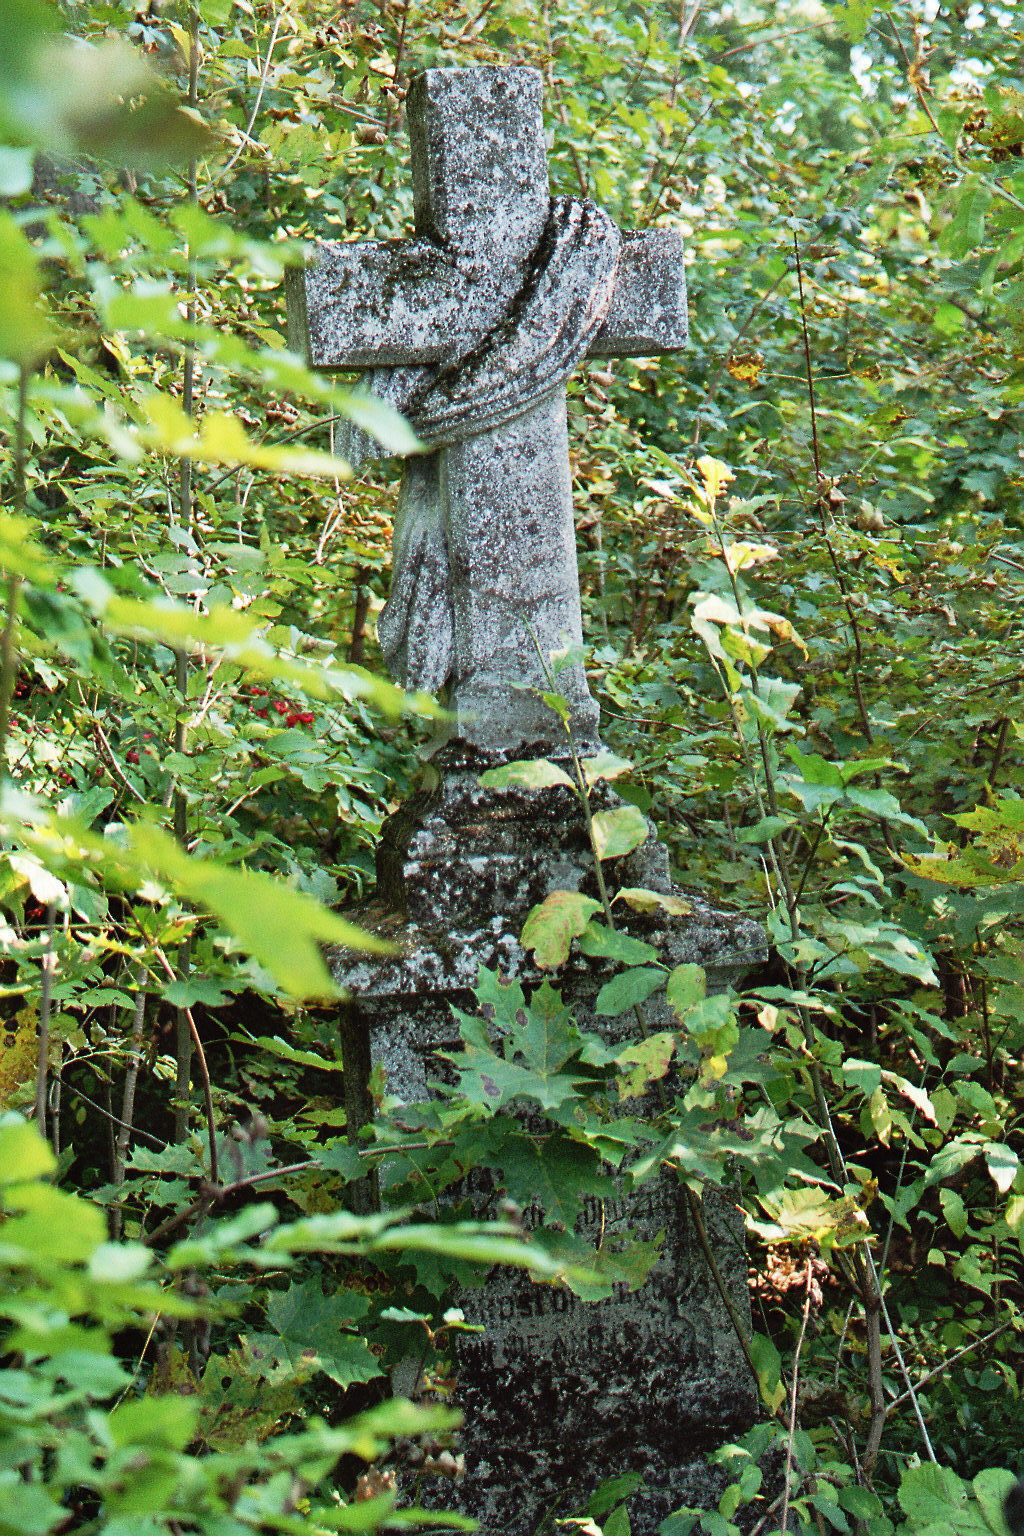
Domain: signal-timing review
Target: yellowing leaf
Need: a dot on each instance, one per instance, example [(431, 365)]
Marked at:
[(25, 332), (531, 773), (715, 475), (739, 557), (604, 766), (917, 1096), (652, 901), (221, 439), (551, 927), (644, 1062), (618, 832), (746, 367), (19, 1049)]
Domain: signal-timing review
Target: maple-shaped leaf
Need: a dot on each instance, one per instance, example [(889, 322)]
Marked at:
[(313, 1332), (523, 1052), (554, 1172)]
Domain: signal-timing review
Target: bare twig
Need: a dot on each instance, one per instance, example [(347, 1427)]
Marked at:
[(197, 1046), (49, 962), (107, 752), (112, 1119), (947, 1365), (791, 1423), (8, 662), (131, 1078), (256, 104)]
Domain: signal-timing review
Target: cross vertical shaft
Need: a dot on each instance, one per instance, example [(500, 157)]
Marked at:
[(503, 493)]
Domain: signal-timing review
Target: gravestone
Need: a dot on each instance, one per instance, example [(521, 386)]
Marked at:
[(471, 328)]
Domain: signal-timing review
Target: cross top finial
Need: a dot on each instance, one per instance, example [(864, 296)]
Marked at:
[(480, 319)]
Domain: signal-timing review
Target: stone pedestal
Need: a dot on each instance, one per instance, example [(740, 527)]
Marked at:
[(557, 1394)]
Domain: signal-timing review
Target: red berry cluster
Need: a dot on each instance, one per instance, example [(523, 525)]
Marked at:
[(292, 716)]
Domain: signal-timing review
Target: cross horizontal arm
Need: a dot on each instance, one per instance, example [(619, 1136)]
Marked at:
[(386, 303)]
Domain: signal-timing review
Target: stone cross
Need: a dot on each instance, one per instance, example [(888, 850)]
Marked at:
[(503, 589)]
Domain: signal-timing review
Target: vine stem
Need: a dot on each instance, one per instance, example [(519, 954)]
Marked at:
[(738, 1325)]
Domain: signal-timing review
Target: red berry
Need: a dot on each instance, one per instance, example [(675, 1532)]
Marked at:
[(132, 756)]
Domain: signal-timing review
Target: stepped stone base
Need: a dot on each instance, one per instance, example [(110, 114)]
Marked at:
[(557, 1394)]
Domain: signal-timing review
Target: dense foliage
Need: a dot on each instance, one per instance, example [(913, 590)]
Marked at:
[(802, 546)]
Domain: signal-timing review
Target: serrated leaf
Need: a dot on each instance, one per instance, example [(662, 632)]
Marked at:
[(551, 927), (312, 1331), (618, 832), (282, 928)]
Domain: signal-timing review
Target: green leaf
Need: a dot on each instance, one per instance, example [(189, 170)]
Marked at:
[(273, 1045), (536, 1044), (312, 1331), (223, 630), (554, 1171), (551, 927), (764, 830), (966, 230), (954, 1211), (25, 332), (607, 943), (168, 1422), (24, 1155), (934, 1498), (535, 773), (282, 928), (26, 1509), (50, 1225), (686, 987), (854, 16), (618, 832), (221, 439), (628, 990), (382, 421), (991, 1488), (768, 1365)]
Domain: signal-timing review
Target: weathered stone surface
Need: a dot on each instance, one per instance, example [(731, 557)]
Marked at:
[(472, 328), (481, 319), (557, 1393)]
